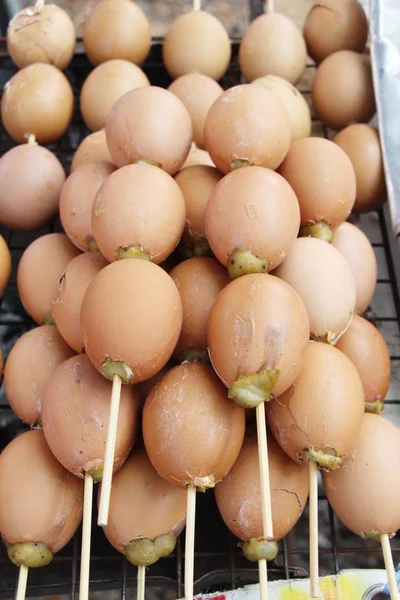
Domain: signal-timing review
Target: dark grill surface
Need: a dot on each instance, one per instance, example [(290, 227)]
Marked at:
[(219, 564)]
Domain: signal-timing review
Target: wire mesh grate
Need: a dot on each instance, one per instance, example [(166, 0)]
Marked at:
[(219, 563)]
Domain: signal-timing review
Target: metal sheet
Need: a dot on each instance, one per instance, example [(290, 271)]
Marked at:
[(385, 56)]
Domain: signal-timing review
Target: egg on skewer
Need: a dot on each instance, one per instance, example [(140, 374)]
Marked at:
[(44, 260), (189, 409), (35, 354), (75, 418), (317, 421), (130, 298), (373, 513), (46, 506)]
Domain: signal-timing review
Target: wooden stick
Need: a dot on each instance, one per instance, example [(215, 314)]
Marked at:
[(141, 582), (38, 6), (263, 578), (22, 582), (196, 5), (264, 472), (314, 575), (110, 449), (86, 536), (269, 7), (189, 541), (391, 575)]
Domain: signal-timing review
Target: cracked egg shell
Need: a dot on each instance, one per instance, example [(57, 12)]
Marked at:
[(197, 92), (196, 183), (140, 311), (354, 245), (362, 145), (29, 202), (71, 289), (75, 416), (273, 45), (197, 42), (323, 180), (192, 431), (343, 91), (40, 500), (149, 124), (141, 207), (366, 348), (247, 124), (322, 411), (109, 81), (252, 209), (76, 200), (334, 25), (247, 333), (44, 261), (117, 29), (238, 496), (294, 102), (364, 492), (37, 100), (199, 281), (47, 36), (93, 148), (35, 355), (142, 504), (325, 283)]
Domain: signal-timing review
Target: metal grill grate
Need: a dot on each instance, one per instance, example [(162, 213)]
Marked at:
[(219, 564)]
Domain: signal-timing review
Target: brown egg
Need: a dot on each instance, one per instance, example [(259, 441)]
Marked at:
[(76, 201), (37, 100), (197, 92), (75, 416), (192, 431), (109, 81), (252, 220), (366, 348), (354, 245), (247, 125), (257, 347), (117, 29), (369, 477), (319, 417), (29, 365), (5, 264), (93, 148), (325, 283), (146, 512), (342, 91), (39, 271), (294, 102), (324, 182), (71, 289), (149, 125), (334, 25), (361, 144), (197, 42), (197, 156), (45, 36), (40, 504), (238, 496), (138, 212), (199, 281), (31, 201), (196, 183), (140, 311), (272, 45)]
